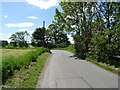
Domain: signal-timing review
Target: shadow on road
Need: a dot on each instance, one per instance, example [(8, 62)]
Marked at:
[(75, 57)]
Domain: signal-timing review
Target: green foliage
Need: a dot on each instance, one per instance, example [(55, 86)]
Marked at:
[(9, 65), (58, 37), (102, 50), (68, 48), (27, 77), (98, 48), (20, 39), (80, 48), (34, 72), (60, 45), (3, 43), (95, 28), (10, 47), (39, 37)]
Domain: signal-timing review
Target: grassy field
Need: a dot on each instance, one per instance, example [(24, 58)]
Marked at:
[(7, 53)]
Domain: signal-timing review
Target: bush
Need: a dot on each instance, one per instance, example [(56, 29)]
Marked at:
[(9, 65), (80, 46), (103, 47), (10, 47), (98, 49), (61, 45)]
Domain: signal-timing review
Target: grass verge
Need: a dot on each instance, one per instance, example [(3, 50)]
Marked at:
[(105, 66), (27, 77)]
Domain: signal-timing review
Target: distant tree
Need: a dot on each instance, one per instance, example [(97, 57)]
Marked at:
[(38, 37), (58, 37), (57, 32), (19, 39), (3, 43)]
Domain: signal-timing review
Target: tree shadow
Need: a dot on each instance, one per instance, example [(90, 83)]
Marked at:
[(114, 61), (76, 57)]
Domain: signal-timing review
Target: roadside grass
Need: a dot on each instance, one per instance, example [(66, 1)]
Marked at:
[(9, 65), (7, 53), (105, 66), (28, 76)]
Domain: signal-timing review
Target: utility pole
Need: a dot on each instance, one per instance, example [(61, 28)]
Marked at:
[(44, 24)]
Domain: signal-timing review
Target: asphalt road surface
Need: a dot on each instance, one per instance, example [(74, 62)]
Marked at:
[(64, 70)]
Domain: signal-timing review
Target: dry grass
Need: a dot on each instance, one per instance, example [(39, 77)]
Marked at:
[(7, 53)]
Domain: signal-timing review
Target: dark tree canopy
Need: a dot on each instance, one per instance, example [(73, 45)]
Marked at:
[(39, 37), (3, 43)]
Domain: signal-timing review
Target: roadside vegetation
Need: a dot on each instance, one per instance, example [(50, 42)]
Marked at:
[(95, 28), (28, 76), (9, 65), (113, 67), (70, 48)]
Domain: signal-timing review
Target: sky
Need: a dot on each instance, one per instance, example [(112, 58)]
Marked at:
[(26, 16)]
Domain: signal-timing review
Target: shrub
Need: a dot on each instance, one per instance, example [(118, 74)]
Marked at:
[(61, 45), (10, 47)]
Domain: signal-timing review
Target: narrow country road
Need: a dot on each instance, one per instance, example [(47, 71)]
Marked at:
[(64, 70)]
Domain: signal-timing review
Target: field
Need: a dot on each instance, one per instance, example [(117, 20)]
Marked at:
[(7, 53)]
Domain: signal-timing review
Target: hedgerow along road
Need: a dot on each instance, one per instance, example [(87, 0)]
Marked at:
[(64, 70)]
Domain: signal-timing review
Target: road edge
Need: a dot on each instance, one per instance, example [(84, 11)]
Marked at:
[(43, 71)]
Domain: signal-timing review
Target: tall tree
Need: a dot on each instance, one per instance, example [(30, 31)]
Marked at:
[(39, 37), (78, 19)]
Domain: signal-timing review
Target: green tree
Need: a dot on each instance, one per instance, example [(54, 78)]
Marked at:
[(78, 19), (39, 37), (3, 43), (94, 26), (19, 39), (58, 37)]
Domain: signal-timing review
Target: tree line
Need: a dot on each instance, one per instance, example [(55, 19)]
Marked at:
[(52, 37)]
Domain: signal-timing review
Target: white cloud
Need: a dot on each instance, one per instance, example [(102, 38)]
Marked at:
[(30, 32), (5, 16), (23, 29), (32, 17), (43, 4), (20, 25)]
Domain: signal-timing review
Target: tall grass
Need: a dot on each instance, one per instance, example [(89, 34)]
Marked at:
[(9, 65), (7, 53)]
